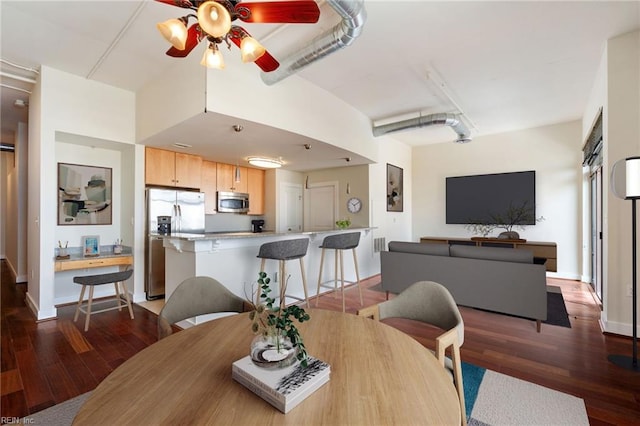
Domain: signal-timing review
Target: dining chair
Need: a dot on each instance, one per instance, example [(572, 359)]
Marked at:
[(430, 303), (197, 296)]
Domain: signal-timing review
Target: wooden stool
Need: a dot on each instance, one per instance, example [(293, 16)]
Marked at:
[(94, 280), (339, 243), (283, 251)]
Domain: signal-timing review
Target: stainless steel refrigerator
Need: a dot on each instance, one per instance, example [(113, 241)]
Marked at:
[(186, 209)]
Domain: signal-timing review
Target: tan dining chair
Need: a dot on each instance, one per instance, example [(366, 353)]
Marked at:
[(197, 296), (430, 303)]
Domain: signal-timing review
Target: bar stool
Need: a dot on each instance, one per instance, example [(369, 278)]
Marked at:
[(339, 243), (94, 280), (283, 251)]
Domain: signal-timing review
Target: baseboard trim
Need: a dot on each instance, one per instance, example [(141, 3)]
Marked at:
[(619, 328), (40, 316)]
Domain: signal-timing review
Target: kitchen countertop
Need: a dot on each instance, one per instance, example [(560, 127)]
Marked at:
[(249, 234)]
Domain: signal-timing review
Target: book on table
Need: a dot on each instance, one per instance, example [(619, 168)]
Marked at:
[(283, 388)]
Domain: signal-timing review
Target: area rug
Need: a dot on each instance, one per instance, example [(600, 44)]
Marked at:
[(556, 309), (492, 398), (59, 415)]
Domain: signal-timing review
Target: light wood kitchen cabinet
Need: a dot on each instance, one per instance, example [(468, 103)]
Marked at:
[(168, 168), (226, 178), (255, 185), (209, 186)]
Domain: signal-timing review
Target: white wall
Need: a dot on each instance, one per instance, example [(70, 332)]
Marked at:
[(621, 106), (552, 151), (62, 106), (192, 89), (392, 226), (7, 160)]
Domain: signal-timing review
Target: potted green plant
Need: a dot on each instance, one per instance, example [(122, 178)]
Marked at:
[(278, 342), (343, 224)]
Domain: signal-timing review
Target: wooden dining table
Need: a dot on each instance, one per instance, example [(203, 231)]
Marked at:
[(379, 376)]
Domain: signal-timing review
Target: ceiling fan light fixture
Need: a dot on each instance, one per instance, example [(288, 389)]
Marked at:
[(212, 57), (250, 49), (174, 31), (214, 18), (267, 163)]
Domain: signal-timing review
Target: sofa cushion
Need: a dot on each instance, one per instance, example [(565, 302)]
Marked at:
[(492, 253), (434, 249)]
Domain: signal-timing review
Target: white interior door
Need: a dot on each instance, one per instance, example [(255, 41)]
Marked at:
[(320, 206), (290, 208)]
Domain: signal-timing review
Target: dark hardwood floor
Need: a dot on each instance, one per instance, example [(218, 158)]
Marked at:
[(46, 363)]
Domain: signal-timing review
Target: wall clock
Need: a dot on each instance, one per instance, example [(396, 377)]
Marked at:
[(354, 205)]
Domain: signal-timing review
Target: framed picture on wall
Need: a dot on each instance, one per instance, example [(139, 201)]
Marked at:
[(84, 195), (394, 188), (90, 245)]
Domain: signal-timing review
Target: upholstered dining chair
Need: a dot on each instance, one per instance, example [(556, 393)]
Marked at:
[(197, 296), (430, 303)]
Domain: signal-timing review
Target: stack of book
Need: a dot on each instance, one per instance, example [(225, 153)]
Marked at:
[(283, 388)]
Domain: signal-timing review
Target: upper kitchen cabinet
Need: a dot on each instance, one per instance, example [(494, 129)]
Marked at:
[(168, 168), (226, 178), (255, 185), (209, 186)]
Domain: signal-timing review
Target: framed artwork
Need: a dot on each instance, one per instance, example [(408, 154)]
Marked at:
[(394, 188), (90, 245), (84, 195)]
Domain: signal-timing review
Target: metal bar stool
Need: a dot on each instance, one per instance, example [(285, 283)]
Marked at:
[(283, 251), (94, 280), (339, 243)]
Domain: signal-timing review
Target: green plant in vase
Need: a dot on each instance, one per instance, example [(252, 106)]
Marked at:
[(278, 342), (343, 224)]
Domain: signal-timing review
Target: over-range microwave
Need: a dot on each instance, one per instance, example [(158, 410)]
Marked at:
[(233, 202)]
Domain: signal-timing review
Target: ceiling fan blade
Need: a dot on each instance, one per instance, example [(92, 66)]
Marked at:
[(296, 11), (193, 38), (266, 62), (180, 3)]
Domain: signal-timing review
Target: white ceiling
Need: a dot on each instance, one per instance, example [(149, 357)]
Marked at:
[(505, 65)]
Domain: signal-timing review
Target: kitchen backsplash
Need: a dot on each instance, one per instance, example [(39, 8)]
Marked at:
[(221, 222)]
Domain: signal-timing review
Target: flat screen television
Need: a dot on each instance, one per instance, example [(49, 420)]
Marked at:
[(482, 198)]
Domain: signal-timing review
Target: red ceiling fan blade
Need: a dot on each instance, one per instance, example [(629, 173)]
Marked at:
[(180, 3), (266, 62), (297, 11), (193, 38)]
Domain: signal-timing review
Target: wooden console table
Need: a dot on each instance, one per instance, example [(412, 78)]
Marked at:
[(542, 250)]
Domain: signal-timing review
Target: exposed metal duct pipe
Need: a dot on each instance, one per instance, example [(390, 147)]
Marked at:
[(452, 120), (340, 36)]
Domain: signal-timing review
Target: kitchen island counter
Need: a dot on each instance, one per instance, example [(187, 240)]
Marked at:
[(231, 258), (248, 234)]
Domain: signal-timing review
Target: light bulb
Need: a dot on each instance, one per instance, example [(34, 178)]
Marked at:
[(174, 31), (214, 18), (250, 49), (212, 57)]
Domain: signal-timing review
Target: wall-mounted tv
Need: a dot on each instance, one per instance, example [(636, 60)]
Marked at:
[(482, 198)]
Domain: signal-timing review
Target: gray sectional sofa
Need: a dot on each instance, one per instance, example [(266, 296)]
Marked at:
[(503, 280)]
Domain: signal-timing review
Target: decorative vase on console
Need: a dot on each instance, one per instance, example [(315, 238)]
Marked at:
[(509, 235), (278, 343)]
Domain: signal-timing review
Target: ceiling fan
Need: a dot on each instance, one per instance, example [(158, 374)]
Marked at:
[(214, 22)]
